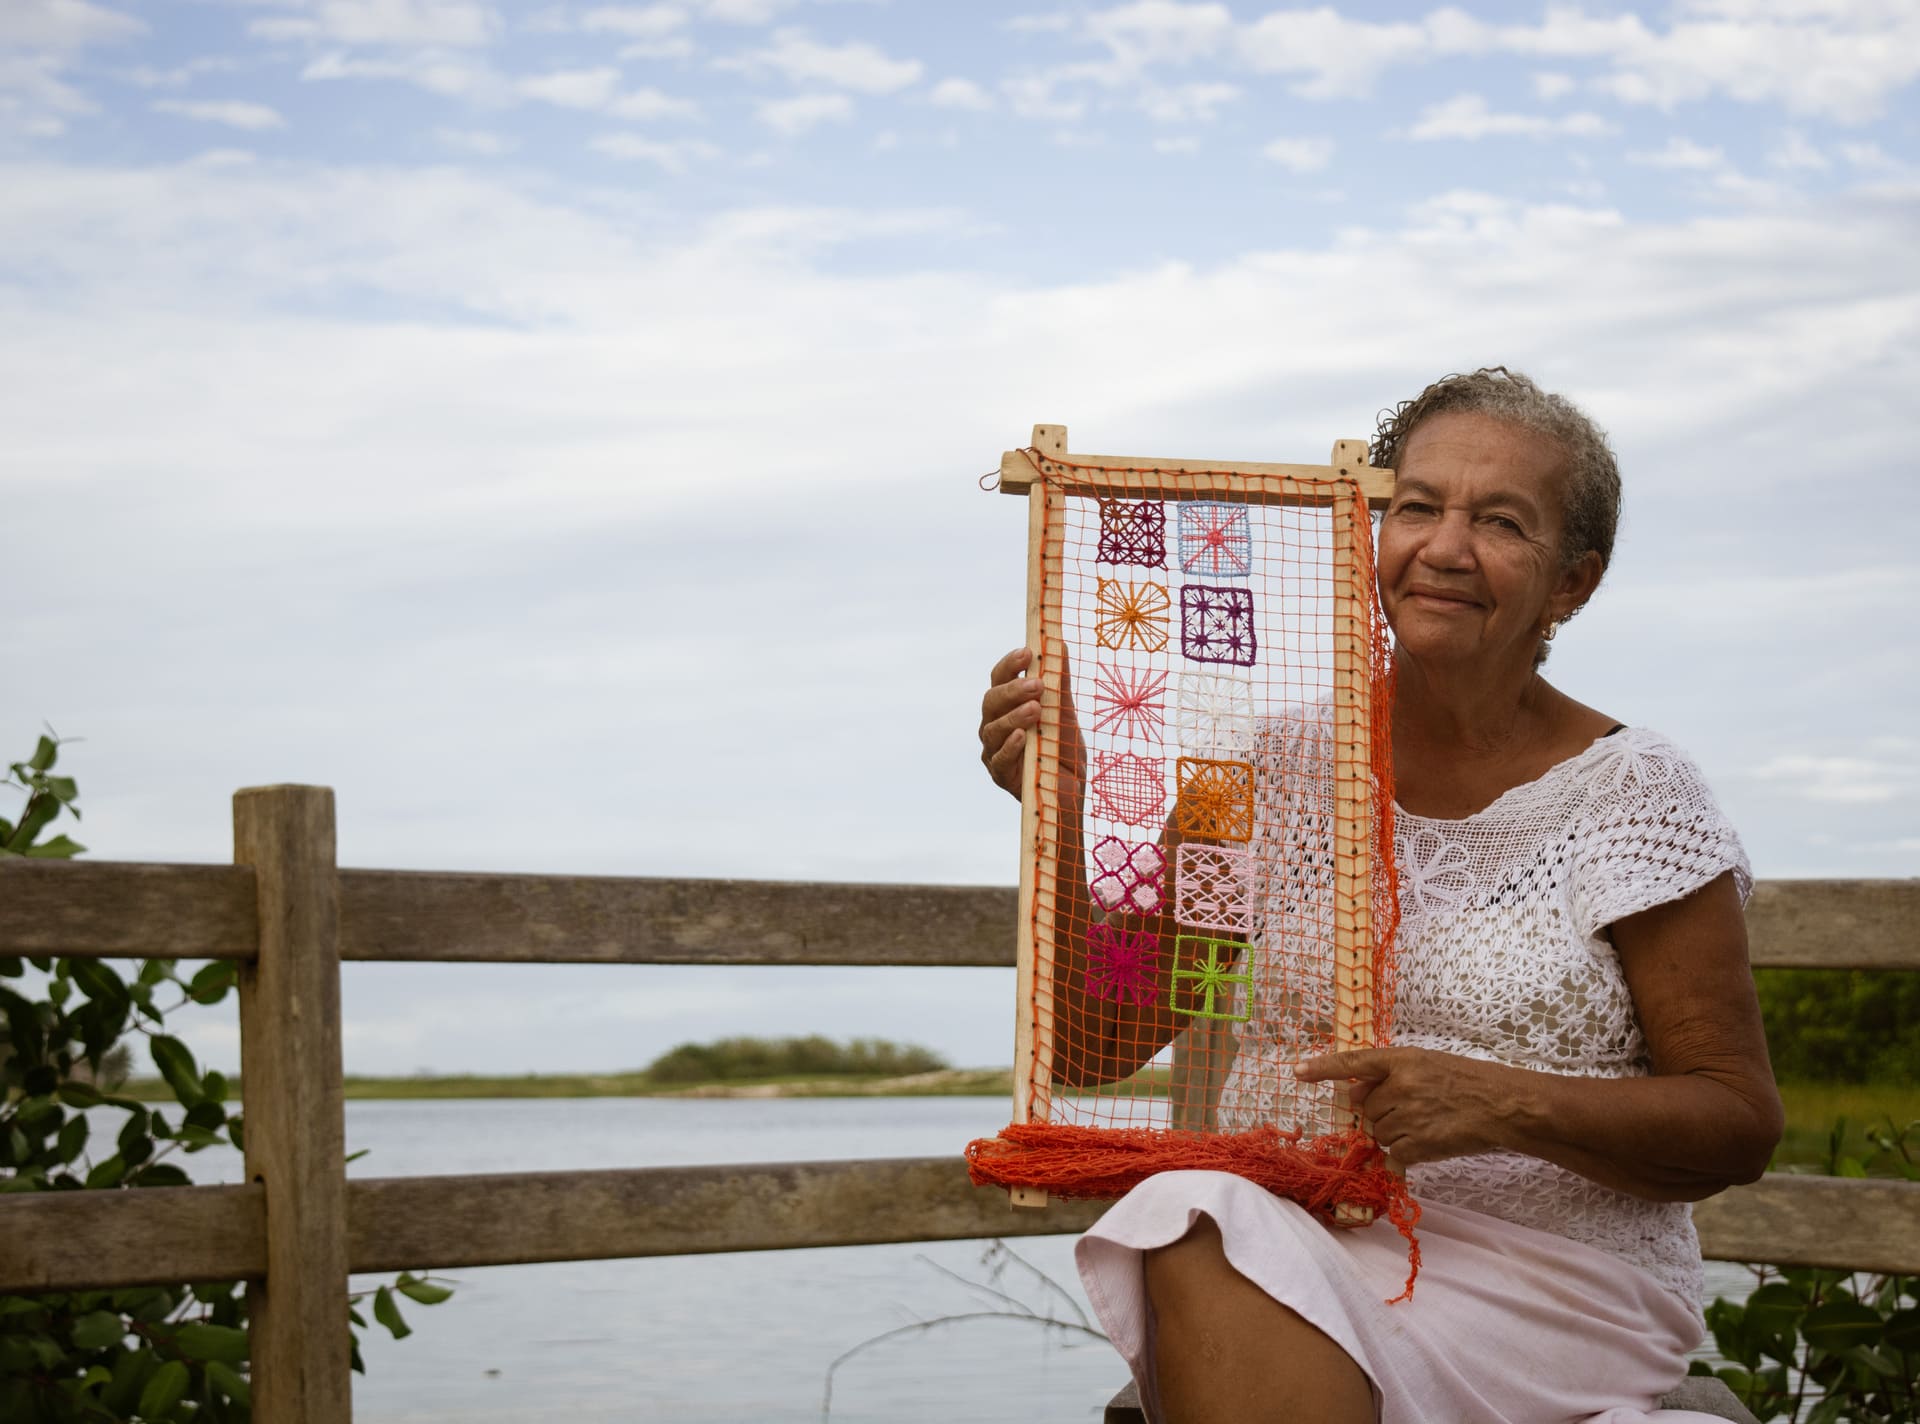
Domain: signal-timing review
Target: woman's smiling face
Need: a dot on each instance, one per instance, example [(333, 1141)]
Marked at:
[(1469, 557)]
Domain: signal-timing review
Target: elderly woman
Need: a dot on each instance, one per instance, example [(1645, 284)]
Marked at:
[(1577, 1053)]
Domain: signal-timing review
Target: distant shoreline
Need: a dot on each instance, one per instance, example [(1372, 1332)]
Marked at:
[(941, 1083)]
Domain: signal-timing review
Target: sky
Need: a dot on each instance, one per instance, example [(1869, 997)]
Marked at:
[(558, 428)]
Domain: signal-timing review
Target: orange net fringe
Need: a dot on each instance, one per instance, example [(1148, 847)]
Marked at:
[(1339, 1170)]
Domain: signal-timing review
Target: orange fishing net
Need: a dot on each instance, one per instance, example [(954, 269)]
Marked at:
[(1208, 895)]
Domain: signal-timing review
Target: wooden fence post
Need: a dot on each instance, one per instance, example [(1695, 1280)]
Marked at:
[(290, 1067)]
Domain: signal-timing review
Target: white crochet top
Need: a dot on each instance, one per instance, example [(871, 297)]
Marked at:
[(1504, 955)]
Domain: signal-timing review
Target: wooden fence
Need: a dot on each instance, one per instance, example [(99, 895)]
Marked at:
[(298, 1227)]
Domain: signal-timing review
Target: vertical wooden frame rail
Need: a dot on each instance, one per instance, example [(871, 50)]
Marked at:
[(290, 1066), (1347, 487)]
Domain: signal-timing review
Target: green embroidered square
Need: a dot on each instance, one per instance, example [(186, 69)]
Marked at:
[(1213, 974)]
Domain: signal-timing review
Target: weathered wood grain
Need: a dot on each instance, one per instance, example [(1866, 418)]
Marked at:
[(1835, 924), (124, 909), (584, 919), (149, 1236), (405, 1222), (1790, 1220), (127, 910), (86, 1240), (295, 1113)]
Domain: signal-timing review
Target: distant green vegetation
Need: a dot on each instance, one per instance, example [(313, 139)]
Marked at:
[(732, 1060), (1813, 1109), (1842, 1025)]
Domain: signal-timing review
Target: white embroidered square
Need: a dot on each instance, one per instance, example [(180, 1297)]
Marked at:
[(1213, 887), (1213, 713)]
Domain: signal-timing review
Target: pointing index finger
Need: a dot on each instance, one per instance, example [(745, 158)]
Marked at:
[(1371, 1063)]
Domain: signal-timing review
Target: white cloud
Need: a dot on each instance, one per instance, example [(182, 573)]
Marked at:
[(643, 104), (1186, 144), (1033, 96), (1149, 32), (795, 116), (1549, 85), (180, 75), (573, 88), (640, 22), (1187, 103), (959, 94), (480, 143), (1468, 116), (1795, 152), (1681, 153), (1848, 780), (1052, 23), (1871, 158), (856, 66), (234, 113), (675, 156), (64, 24), (1300, 155), (452, 76), (744, 12), (449, 23)]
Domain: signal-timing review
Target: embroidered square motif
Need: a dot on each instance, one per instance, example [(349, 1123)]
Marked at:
[(1216, 624), (1129, 702), (1214, 799), (1218, 966), (1128, 875), (1123, 966), (1133, 532), (1131, 616), (1215, 540), (1213, 714), (1213, 888), (1129, 789)]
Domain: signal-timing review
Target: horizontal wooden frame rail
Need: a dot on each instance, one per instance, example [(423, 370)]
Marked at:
[(1247, 482), (94, 1240), (102, 909)]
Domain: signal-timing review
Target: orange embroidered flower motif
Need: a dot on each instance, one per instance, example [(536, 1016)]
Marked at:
[(1131, 615), (1215, 799)]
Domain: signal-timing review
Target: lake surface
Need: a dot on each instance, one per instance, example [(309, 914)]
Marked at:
[(745, 1337)]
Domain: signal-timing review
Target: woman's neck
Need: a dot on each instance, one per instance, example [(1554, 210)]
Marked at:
[(1470, 710)]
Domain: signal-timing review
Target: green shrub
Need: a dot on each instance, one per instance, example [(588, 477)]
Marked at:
[(1820, 1347), (162, 1354), (1842, 1025), (742, 1059)]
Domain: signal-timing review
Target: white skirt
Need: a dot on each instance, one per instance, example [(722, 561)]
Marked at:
[(1507, 1325)]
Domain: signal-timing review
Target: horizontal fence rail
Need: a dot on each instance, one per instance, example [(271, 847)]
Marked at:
[(89, 1240), (113, 909)]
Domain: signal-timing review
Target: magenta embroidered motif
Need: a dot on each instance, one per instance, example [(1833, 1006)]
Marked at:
[(1133, 532), (1216, 625), (1123, 965), (1128, 875), (1130, 789), (1131, 704)]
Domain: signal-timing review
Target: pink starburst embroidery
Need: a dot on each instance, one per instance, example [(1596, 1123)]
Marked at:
[(1123, 965), (1130, 705)]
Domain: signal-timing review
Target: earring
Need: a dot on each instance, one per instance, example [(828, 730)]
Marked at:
[(1552, 627)]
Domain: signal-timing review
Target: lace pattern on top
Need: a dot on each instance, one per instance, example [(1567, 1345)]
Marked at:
[(1504, 954)]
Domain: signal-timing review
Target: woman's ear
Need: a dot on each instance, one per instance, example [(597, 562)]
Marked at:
[(1576, 585)]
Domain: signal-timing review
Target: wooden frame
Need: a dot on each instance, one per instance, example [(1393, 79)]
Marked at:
[(1046, 474)]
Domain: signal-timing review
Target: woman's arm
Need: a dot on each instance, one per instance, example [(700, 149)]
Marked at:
[(1095, 1040), (1708, 1117)]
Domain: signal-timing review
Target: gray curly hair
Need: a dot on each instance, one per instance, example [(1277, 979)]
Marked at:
[(1590, 493)]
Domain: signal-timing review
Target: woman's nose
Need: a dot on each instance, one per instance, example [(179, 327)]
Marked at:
[(1450, 544)]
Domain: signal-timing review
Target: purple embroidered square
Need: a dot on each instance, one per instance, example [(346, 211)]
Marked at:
[(1213, 887), (1216, 625), (1123, 966), (1133, 532), (1128, 875), (1215, 540)]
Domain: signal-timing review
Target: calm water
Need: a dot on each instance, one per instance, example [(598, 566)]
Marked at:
[(745, 1337)]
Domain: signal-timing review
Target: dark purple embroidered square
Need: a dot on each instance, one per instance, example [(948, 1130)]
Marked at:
[(1216, 625), (1133, 532)]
